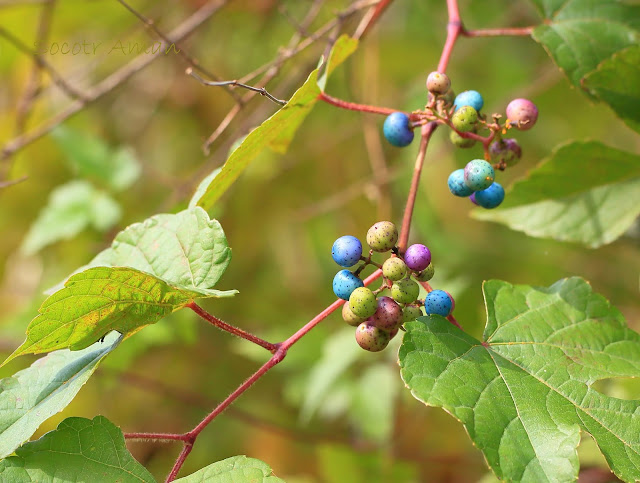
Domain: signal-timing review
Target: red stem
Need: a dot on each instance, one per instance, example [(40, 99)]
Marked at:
[(454, 29), (450, 317), (352, 106), (166, 437), (186, 449)]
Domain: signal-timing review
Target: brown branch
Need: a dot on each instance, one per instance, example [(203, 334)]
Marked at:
[(498, 32)]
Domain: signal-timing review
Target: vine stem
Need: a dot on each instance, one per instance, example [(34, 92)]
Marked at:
[(353, 106), (508, 31)]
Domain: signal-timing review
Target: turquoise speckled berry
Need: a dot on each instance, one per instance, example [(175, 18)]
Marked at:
[(491, 197), (394, 269), (426, 274), (346, 251), (344, 283), (397, 129), (457, 185), (372, 338), (405, 291), (350, 318), (438, 83), (522, 113), (363, 302), (478, 174), (382, 236), (388, 314), (465, 119), (417, 257), (469, 98), (437, 302), (411, 312)]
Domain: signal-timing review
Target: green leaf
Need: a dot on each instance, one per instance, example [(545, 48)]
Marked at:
[(579, 34), (616, 82), (33, 395), (99, 300), (202, 187), (89, 156), (78, 449), (237, 469), (276, 132), (525, 392), (71, 208), (584, 192)]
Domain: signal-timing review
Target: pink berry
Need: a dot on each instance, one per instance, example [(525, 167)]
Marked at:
[(522, 113), (388, 315), (417, 257)]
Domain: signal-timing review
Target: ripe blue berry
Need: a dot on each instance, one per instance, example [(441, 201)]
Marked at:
[(457, 185), (344, 283), (397, 129), (478, 174), (388, 314), (506, 151), (371, 338), (522, 113), (405, 291), (438, 302), (382, 236), (349, 317), (438, 83), (469, 98), (394, 269), (362, 302), (459, 141), (417, 257), (464, 119), (426, 274), (490, 197), (346, 251), (410, 312)]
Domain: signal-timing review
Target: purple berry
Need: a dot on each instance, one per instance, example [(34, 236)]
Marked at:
[(506, 151), (371, 338), (388, 314), (417, 257), (522, 113), (473, 199)]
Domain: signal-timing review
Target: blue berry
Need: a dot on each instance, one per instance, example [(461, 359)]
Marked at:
[(346, 251), (397, 129), (469, 98), (478, 174), (438, 302), (457, 185), (344, 283), (490, 197)]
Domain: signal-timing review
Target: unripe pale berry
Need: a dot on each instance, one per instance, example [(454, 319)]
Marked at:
[(478, 174), (523, 113), (464, 119), (382, 236), (372, 338), (426, 274), (363, 302), (457, 185), (346, 251), (410, 313), (491, 197), (448, 97), (438, 83), (344, 283), (417, 257), (388, 314), (507, 151), (461, 142), (469, 98), (394, 269), (397, 129), (437, 302), (405, 291), (350, 318)]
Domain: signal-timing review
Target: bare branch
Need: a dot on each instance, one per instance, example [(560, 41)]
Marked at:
[(260, 90)]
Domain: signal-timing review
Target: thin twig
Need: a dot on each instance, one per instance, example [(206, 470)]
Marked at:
[(11, 182), (260, 90), (498, 32)]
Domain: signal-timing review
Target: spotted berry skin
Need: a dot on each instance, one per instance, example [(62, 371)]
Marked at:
[(382, 236), (372, 338), (346, 251), (350, 318), (405, 291), (438, 83), (410, 313), (388, 314), (344, 283), (363, 302), (394, 269), (437, 302), (461, 142), (478, 175), (506, 151), (417, 257), (491, 197), (426, 274), (457, 185), (522, 113), (397, 129), (464, 119), (469, 98)]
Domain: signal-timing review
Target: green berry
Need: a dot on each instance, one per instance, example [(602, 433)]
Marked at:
[(382, 236), (363, 302), (438, 83), (405, 291), (478, 174), (394, 269), (410, 313), (464, 119), (459, 141), (426, 274), (350, 318), (372, 338)]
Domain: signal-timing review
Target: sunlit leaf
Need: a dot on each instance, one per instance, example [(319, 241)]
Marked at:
[(237, 469)]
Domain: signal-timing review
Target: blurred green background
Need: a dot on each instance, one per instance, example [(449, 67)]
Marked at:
[(330, 412)]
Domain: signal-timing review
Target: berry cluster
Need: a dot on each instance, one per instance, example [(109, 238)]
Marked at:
[(378, 318)]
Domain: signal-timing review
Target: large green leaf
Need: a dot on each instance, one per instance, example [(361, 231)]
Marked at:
[(579, 34), (33, 395), (79, 450), (276, 132), (99, 300), (525, 392), (237, 469), (71, 208), (584, 192), (616, 81)]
